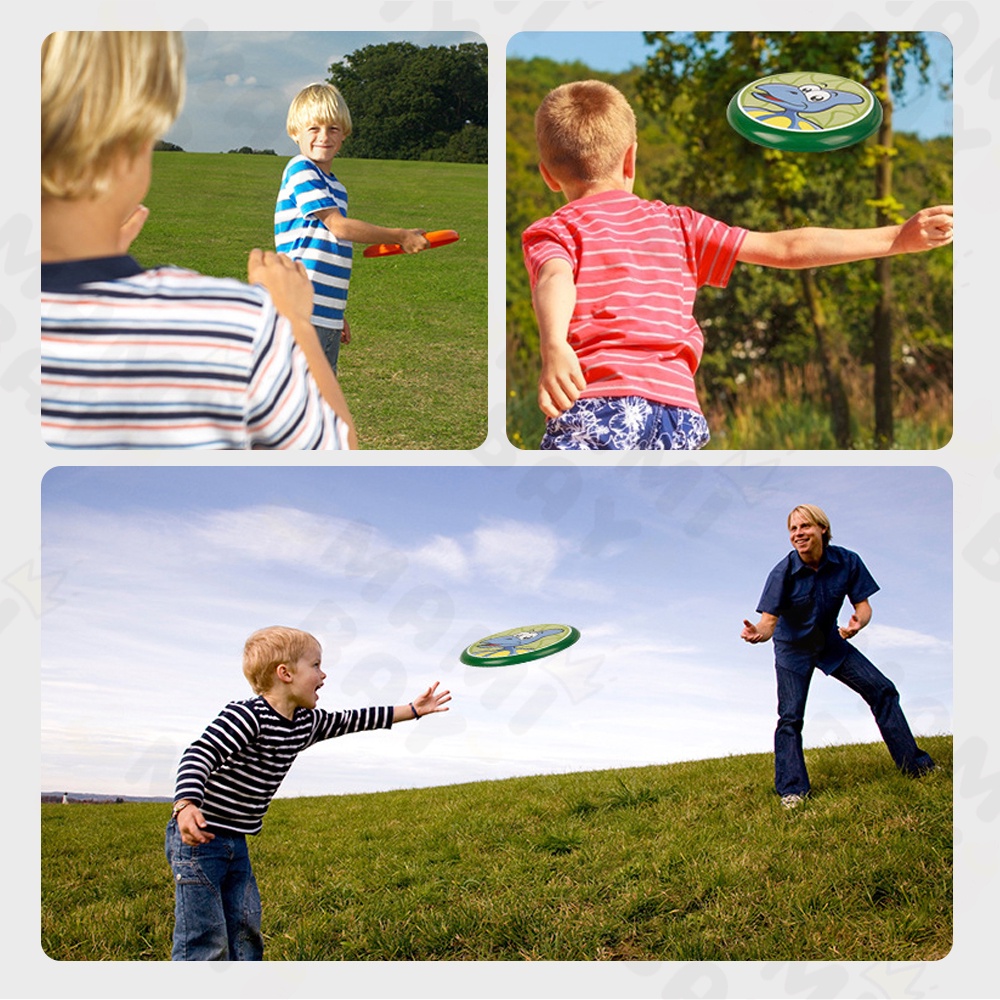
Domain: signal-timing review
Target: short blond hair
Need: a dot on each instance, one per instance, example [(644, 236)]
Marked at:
[(814, 515), (104, 93), (269, 647), (318, 104), (583, 129)]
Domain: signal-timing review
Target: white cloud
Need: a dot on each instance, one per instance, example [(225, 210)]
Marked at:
[(879, 636), (516, 555), (443, 555)]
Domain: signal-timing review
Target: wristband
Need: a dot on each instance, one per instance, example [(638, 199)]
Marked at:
[(414, 711), (179, 808)]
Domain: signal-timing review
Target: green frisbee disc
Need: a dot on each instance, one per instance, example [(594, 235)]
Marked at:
[(518, 645), (804, 112)]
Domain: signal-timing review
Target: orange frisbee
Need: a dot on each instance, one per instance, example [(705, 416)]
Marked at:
[(438, 238)]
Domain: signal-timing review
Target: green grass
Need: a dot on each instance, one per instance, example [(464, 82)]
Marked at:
[(686, 862), (415, 373)]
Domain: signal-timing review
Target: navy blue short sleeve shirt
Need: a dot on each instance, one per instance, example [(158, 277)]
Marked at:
[(807, 603)]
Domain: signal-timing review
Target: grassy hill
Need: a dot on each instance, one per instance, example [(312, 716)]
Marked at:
[(415, 372), (690, 861)]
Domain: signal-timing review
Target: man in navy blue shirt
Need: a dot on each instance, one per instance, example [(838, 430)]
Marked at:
[(799, 609)]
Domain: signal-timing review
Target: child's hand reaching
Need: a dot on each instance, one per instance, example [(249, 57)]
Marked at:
[(431, 701), (929, 228), (561, 381)]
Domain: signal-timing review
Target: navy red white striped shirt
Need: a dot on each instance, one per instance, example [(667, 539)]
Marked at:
[(233, 769), (169, 358), (637, 265)]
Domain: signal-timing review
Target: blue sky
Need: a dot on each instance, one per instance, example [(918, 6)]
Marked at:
[(153, 578), (922, 110), (240, 83)]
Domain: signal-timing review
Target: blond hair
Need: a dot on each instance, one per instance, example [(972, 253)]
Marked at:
[(583, 129), (269, 647), (104, 93), (318, 104), (814, 515)]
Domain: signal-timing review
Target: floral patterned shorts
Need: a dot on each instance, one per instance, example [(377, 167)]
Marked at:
[(626, 423)]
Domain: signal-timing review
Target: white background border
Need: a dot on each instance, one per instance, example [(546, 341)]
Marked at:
[(971, 459)]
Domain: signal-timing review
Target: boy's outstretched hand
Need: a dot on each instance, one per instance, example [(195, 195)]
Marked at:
[(428, 703), (929, 228)]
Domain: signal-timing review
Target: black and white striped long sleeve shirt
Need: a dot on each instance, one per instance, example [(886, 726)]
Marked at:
[(233, 769)]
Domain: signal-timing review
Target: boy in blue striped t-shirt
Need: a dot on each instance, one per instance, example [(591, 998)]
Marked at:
[(310, 217), (228, 776)]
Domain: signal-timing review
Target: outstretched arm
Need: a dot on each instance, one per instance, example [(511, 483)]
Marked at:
[(760, 632), (428, 703), (358, 231), (554, 298), (861, 617), (816, 247)]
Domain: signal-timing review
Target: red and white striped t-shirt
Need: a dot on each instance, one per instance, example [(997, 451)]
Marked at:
[(637, 265), (168, 358)]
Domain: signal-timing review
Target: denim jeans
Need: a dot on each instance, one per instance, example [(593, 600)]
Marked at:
[(862, 676), (329, 340), (216, 902)]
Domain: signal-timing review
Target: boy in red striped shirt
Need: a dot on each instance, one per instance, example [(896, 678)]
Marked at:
[(614, 278)]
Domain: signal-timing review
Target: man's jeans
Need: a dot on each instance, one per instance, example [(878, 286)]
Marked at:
[(216, 902), (862, 676)]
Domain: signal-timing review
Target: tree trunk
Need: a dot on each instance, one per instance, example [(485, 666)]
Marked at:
[(882, 332), (830, 362)]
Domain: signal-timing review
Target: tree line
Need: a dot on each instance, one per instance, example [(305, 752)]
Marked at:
[(411, 102)]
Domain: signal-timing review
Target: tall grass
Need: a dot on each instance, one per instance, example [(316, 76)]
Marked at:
[(776, 411), (692, 861), (787, 410), (415, 373)]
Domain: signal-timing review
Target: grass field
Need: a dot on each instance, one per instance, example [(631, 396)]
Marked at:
[(692, 861), (415, 372)]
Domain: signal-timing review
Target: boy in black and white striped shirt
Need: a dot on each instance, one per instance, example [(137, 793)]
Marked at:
[(228, 776)]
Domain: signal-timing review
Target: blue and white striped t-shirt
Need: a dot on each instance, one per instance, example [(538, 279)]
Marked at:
[(233, 769), (305, 191)]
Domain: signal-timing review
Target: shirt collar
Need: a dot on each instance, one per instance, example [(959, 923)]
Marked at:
[(829, 557), (65, 275)]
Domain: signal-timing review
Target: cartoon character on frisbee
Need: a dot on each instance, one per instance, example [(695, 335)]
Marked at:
[(517, 645), (793, 101)]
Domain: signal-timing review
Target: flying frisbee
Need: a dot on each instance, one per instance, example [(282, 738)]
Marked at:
[(437, 238), (518, 645), (804, 112)]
